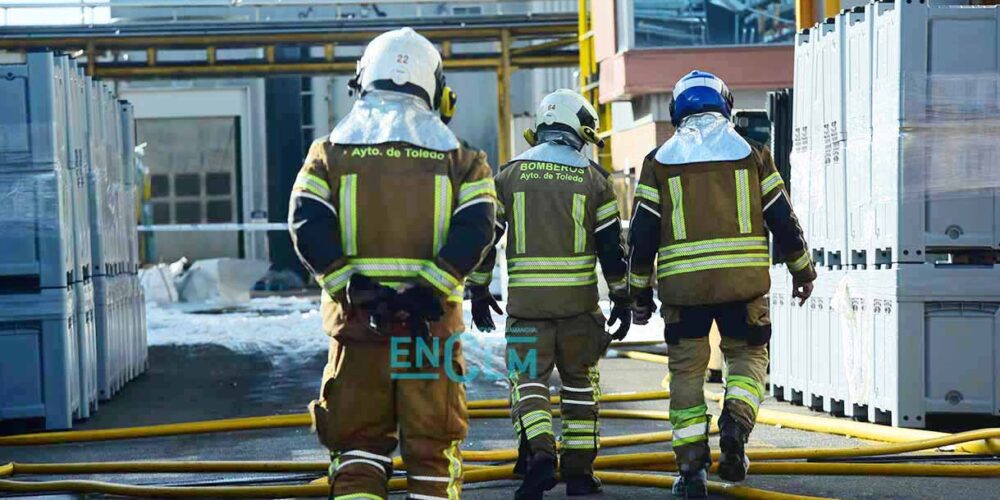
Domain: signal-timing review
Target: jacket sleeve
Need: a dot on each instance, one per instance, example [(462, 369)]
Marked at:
[(608, 237), (644, 229), (313, 224), (782, 222), (470, 230), (483, 274)]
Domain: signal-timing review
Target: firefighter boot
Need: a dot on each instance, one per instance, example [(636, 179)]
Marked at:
[(691, 485), (733, 461), (582, 485), (539, 478)]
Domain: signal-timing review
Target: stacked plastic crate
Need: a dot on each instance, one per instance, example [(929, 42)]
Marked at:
[(121, 333), (51, 262), (903, 217)]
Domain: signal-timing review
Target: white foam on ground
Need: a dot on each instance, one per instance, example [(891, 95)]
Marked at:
[(291, 327)]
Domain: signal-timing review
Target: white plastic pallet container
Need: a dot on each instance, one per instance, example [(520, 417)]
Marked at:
[(87, 347), (936, 342), (858, 25), (36, 223), (801, 111), (831, 34), (781, 358), (33, 114), (39, 375), (932, 153)]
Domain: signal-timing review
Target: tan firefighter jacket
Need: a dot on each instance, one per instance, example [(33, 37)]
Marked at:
[(702, 216), (560, 219), (394, 212)]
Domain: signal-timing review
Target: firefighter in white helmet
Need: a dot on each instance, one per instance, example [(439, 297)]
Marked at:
[(561, 216), (390, 213)]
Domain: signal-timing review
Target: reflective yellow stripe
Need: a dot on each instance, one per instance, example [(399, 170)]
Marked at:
[(480, 278), (454, 470), (399, 268), (743, 200), (519, 223), (555, 279), (520, 264), (471, 190), (770, 183), (712, 262), (357, 496), (638, 280), (335, 281), (349, 213), (651, 194), (749, 243), (579, 234), (442, 210), (677, 217), (313, 184), (800, 263), (607, 210)]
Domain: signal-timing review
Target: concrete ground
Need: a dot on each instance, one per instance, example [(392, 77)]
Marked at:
[(200, 382)]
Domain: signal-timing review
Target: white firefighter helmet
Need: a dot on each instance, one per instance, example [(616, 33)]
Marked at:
[(567, 110), (401, 60)]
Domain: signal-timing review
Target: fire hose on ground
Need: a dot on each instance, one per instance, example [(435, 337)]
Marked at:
[(984, 442)]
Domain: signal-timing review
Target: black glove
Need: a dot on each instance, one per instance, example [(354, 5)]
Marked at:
[(620, 312), (643, 307), (482, 302), (421, 307)]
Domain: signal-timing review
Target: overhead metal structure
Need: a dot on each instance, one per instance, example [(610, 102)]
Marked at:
[(504, 43)]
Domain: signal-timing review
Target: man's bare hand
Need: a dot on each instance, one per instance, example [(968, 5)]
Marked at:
[(802, 291)]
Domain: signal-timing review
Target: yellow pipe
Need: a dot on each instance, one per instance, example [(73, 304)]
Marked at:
[(624, 478), (203, 427), (269, 422), (831, 8), (644, 356), (319, 489), (862, 430), (804, 14)]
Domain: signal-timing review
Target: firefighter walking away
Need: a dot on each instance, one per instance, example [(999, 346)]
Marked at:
[(390, 213), (705, 202), (561, 217)]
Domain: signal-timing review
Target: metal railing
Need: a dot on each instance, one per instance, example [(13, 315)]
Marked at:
[(96, 12)]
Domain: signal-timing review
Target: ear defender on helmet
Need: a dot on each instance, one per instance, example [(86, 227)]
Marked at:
[(590, 135), (530, 137), (446, 106)]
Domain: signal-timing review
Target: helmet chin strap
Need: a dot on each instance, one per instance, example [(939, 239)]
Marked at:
[(560, 137)]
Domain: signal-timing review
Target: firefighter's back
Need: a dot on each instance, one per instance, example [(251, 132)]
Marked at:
[(551, 197)]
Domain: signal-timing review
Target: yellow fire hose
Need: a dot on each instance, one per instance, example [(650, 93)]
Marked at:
[(985, 441), (488, 407), (322, 490)]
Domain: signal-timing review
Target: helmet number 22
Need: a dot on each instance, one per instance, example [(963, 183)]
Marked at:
[(403, 58)]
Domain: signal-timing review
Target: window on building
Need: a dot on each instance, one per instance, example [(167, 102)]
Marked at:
[(467, 10), (685, 23)]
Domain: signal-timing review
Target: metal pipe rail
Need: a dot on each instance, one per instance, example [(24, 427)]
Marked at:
[(158, 12)]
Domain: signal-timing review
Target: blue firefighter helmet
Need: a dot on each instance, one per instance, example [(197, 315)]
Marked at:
[(699, 92)]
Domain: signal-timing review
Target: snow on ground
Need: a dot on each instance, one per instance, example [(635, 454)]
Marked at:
[(286, 328)]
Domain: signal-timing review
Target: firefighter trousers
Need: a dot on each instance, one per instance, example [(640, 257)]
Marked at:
[(574, 346), (745, 331), (377, 395)]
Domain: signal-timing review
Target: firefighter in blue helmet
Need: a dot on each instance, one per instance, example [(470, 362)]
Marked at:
[(704, 205)]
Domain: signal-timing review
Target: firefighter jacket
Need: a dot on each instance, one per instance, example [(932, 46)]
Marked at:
[(561, 216), (703, 207), (395, 212)]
